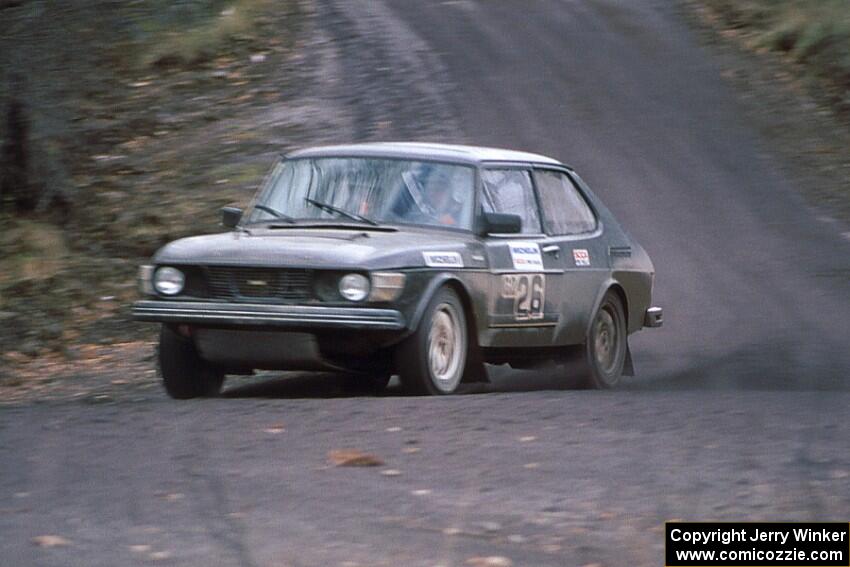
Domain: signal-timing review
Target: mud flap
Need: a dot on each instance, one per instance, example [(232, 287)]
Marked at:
[(628, 365)]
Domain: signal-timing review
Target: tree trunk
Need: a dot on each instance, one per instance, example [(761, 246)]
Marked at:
[(33, 122), (14, 185)]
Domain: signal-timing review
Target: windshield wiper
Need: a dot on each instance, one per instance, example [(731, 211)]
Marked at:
[(337, 210), (274, 212)]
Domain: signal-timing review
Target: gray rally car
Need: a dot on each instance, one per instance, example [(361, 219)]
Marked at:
[(422, 260)]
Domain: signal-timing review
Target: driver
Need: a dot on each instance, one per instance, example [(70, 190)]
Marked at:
[(434, 191)]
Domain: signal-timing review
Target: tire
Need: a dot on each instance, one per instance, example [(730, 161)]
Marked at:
[(184, 373), (604, 353), (432, 360)]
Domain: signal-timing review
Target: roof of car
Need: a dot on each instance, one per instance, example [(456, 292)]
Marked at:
[(425, 150)]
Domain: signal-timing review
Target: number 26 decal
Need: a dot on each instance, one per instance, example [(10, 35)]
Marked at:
[(528, 292)]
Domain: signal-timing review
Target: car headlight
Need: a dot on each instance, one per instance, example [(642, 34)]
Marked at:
[(168, 281), (354, 287)]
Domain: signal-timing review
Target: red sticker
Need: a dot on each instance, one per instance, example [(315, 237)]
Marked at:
[(581, 257)]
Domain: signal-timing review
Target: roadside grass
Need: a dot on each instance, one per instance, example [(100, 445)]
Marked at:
[(814, 33), (33, 251), (170, 43), (238, 173)]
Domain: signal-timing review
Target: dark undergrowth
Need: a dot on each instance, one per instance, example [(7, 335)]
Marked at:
[(138, 119)]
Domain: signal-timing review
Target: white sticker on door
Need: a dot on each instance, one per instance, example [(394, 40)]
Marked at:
[(526, 256), (581, 257)]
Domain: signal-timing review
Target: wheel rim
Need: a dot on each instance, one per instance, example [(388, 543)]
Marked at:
[(606, 340), (445, 347)]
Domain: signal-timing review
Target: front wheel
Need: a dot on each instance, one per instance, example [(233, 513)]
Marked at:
[(184, 373), (605, 348), (433, 358)]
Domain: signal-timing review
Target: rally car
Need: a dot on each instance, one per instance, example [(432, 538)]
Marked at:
[(421, 260)]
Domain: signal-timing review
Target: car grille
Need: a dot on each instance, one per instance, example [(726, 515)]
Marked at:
[(234, 283)]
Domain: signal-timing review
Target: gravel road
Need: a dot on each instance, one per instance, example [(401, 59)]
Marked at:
[(736, 412)]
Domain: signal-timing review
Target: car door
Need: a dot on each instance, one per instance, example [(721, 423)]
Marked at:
[(573, 227), (525, 272)]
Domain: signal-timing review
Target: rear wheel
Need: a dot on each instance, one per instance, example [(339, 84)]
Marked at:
[(605, 349), (184, 373), (432, 360)]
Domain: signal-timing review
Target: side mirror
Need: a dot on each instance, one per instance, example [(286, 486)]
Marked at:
[(501, 223), (230, 216)]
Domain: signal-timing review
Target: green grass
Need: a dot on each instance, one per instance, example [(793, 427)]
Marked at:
[(815, 33), (32, 251), (178, 44), (36, 250)]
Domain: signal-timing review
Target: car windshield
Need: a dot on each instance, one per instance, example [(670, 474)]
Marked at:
[(368, 190)]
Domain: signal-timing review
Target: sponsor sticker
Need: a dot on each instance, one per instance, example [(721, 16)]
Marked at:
[(443, 259), (581, 257), (526, 256)]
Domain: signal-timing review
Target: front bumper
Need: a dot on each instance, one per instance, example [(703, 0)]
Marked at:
[(653, 318), (261, 315)]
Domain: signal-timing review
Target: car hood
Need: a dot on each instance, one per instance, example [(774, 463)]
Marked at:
[(319, 248)]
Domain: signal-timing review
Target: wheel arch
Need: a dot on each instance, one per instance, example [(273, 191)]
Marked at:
[(613, 285), (452, 281), (609, 285), (621, 293)]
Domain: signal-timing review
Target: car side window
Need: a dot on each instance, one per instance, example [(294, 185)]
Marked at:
[(564, 209), (510, 191)]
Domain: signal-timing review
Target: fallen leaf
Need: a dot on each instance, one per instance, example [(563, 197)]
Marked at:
[(491, 561), (15, 356), (411, 450), (50, 541), (353, 458), (528, 438)]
